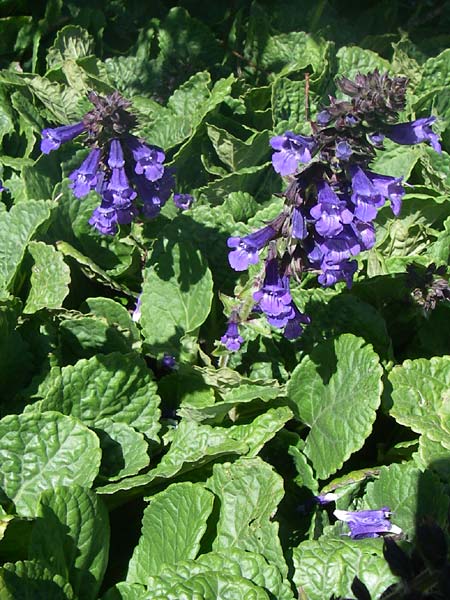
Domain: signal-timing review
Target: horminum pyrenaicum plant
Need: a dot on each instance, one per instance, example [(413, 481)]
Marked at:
[(148, 448)]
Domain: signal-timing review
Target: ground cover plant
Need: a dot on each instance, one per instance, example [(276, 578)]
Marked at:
[(224, 243)]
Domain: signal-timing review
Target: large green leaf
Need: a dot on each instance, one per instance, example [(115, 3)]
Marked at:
[(411, 495), (74, 521), (50, 278), (117, 386), (42, 450), (17, 228), (336, 391), (29, 580), (420, 395), (249, 491), (176, 295), (327, 567), (71, 43), (172, 528)]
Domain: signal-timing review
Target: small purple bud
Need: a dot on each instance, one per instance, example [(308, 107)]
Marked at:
[(168, 362), (183, 201), (343, 150), (323, 118), (116, 160), (231, 338)]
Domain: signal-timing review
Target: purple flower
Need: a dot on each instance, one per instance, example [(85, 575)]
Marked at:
[(53, 138), (231, 338), (183, 201), (247, 248), (274, 297), (343, 246), (84, 179), (168, 361), (377, 139), (136, 316), (367, 523), (291, 149), (332, 273), (115, 159), (104, 219), (366, 196), (415, 132), (331, 213), (323, 118), (343, 150), (324, 499), (149, 159), (2, 187), (299, 228), (365, 233), (154, 194), (294, 327), (388, 187), (118, 191)]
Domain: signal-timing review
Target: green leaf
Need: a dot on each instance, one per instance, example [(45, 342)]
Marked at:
[(172, 528), (336, 391), (124, 450), (420, 395), (435, 74), (50, 278), (293, 51), (410, 494), (75, 521), (353, 60), (396, 160), (262, 429), (210, 585), (71, 42), (29, 580), (249, 491), (126, 591), (176, 295), (43, 450), (117, 386), (328, 566), (235, 153), (192, 447), (17, 228), (115, 314), (85, 336), (433, 456)]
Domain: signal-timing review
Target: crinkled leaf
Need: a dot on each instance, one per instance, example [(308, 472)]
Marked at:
[(173, 524), (42, 450), (192, 447), (249, 491), (17, 228), (124, 450), (420, 392), (336, 391), (73, 520), (410, 494), (115, 314), (176, 295), (328, 566), (71, 42), (30, 580), (117, 386), (50, 278)]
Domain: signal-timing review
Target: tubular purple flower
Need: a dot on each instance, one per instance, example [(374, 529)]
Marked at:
[(118, 192), (274, 295), (343, 150), (149, 159), (343, 246), (104, 219), (246, 252), (84, 179), (299, 228), (390, 188), (294, 327), (331, 213), (291, 149), (154, 194), (115, 159), (332, 273), (415, 132), (366, 197), (53, 138), (231, 338), (183, 201), (367, 523)]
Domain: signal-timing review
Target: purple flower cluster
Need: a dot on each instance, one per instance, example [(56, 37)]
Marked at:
[(129, 175), (333, 197)]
